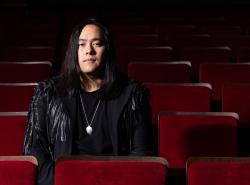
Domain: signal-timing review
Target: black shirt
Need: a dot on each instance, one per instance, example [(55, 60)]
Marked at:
[(99, 142)]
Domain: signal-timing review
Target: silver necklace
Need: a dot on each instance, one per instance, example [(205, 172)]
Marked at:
[(89, 128)]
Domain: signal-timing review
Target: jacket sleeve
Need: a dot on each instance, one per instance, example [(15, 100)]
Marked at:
[(36, 140), (141, 123)]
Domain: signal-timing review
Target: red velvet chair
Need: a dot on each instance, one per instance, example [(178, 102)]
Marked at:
[(128, 40), (15, 97), (218, 171), (27, 53), (191, 40), (221, 30), (110, 170), (143, 53), (236, 98), (233, 41), (243, 54), (186, 134), (179, 97), (198, 55), (34, 39), (178, 72), (173, 30), (12, 127), (24, 72), (219, 74), (18, 170), (131, 28)]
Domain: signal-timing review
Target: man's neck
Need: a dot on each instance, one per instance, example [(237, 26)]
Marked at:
[(91, 84)]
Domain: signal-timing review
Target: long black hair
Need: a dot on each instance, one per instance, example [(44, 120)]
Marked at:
[(71, 70)]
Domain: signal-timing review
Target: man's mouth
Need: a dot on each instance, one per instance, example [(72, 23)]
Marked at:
[(89, 59)]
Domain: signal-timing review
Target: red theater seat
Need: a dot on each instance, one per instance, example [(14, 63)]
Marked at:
[(187, 97), (233, 41), (243, 54), (221, 30), (177, 97), (111, 170), (122, 40), (186, 134), (132, 28), (145, 54), (24, 72), (220, 74), (18, 170), (198, 55), (236, 98), (179, 72), (15, 97), (173, 30), (218, 171), (12, 126), (190, 40), (26, 53)]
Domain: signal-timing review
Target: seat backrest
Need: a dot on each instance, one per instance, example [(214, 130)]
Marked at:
[(122, 40), (198, 55), (234, 41), (236, 98), (16, 97), (221, 30), (178, 72), (24, 72), (28, 53), (132, 53), (242, 54), (186, 97), (12, 127), (172, 30), (220, 74), (16, 170), (190, 40), (186, 134), (121, 170), (131, 29), (218, 170)]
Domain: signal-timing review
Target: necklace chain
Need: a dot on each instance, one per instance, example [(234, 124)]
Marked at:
[(85, 115)]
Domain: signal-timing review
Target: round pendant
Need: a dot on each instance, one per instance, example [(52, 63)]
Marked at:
[(89, 130)]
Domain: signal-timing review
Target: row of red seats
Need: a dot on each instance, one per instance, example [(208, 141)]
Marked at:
[(25, 72), (164, 97), (217, 74), (194, 48), (16, 170), (126, 170), (195, 54), (181, 135)]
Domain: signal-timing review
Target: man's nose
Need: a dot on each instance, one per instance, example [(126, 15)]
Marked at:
[(89, 49)]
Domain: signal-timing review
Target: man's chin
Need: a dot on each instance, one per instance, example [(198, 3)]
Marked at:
[(95, 73)]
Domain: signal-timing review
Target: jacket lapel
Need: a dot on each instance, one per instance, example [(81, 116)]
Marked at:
[(115, 108)]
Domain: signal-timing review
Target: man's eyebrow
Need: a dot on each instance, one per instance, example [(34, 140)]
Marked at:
[(94, 39)]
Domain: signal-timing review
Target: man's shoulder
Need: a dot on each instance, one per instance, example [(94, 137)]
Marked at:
[(49, 84), (134, 87), (137, 86)]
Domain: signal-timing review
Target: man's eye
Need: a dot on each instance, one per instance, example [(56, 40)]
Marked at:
[(81, 44), (96, 44)]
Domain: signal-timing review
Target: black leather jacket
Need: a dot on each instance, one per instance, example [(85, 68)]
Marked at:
[(49, 130)]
